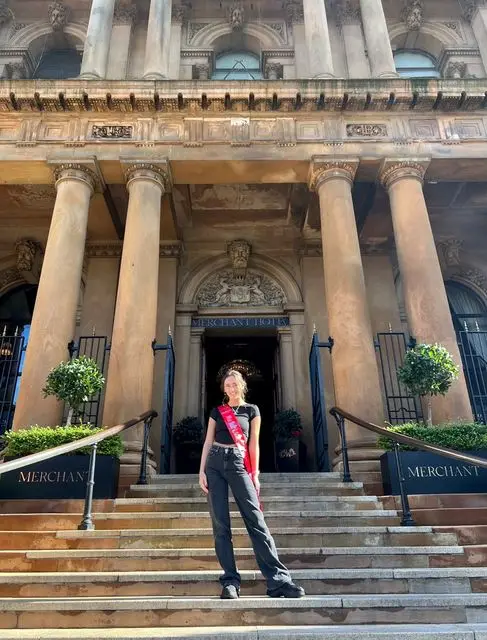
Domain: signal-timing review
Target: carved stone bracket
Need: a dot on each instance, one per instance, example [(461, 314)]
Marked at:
[(239, 253), (236, 16), (394, 170), (323, 169)]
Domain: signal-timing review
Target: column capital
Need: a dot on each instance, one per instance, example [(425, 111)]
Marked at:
[(394, 169), (159, 173), (76, 171), (322, 169)]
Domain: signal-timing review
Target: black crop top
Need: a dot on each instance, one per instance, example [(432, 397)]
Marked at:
[(245, 414)]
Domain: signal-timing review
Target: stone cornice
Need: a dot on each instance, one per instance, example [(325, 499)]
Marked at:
[(186, 96), (396, 169), (322, 169)]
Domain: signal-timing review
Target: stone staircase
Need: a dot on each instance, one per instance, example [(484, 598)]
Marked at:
[(149, 569)]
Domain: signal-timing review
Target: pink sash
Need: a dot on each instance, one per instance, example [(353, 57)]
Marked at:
[(233, 426)]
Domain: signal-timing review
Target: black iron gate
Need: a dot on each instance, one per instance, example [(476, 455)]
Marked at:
[(473, 351), (97, 348), (12, 349), (168, 402), (318, 402), (401, 405)]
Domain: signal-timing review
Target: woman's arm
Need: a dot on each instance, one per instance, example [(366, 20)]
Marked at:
[(254, 449), (210, 437)]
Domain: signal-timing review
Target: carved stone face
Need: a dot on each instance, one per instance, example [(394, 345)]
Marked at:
[(239, 252), (237, 17), (57, 15)]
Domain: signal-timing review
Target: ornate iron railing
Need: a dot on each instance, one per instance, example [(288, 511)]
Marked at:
[(473, 351), (12, 349)]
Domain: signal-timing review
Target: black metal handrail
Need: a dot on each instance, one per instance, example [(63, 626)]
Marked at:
[(90, 441), (341, 415)]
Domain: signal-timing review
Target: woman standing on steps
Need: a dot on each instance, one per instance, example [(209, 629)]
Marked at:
[(230, 458)]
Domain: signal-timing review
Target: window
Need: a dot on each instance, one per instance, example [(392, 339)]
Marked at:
[(414, 64), (59, 64), (237, 65)]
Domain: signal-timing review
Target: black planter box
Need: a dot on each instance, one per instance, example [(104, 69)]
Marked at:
[(63, 477), (287, 455), (426, 472)]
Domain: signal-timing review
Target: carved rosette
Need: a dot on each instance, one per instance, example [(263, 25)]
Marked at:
[(125, 13), (400, 170), (26, 252), (74, 171), (323, 170), (58, 15), (149, 172)]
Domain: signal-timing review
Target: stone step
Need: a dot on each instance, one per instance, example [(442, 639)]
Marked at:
[(274, 503), (345, 536), (33, 613), (192, 520), (253, 632), (205, 559), (266, 477), (205, 583), (309, 488)]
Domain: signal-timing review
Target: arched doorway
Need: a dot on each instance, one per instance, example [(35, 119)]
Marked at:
[(469, 313), (16, 309)]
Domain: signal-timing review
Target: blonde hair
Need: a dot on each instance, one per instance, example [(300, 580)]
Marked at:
[(240, 380)]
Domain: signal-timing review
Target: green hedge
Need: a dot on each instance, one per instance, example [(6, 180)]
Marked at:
[(26, 441), (460, 436)]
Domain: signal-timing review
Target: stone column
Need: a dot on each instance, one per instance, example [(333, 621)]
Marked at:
[(182, 346), (427, 308), (287, 368), (355, 371), (123, 23), (377, 38), (54, 318), (479, 26), (317, 39), (194, 379), (353, 39), (97, 43), (131, 365), (179, 16), (157, 49)]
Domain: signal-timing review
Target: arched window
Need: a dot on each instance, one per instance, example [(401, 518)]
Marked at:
[(58, 64), (415, 64), (237, 65), (469, 315)]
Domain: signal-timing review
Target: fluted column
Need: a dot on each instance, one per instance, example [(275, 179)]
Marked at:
[(427, 308), (350, 21), (355, 372), (54, 318), (131, 365), (158, 42), (377, 39), (97, 43), (317, 39)]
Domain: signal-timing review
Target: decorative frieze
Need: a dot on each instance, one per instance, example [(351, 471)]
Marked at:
[(108, 250), (112, 131), (366, 130), (221, 289)]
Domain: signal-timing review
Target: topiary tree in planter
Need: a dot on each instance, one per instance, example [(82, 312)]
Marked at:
[(428, 370), (188, 438), (74, 382)]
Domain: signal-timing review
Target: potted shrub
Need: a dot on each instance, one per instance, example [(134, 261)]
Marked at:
[(73, 382), (427, 472), (188, 441), (287, 431), (428, 370)]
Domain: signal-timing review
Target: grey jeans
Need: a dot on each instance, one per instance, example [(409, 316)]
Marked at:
[(225, 468)]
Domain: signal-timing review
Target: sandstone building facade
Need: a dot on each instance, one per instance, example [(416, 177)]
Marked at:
[(245, 173)]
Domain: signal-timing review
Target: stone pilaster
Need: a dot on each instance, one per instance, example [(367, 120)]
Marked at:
[(131, 365), (53, 325), (377, 39), (425, 297), (320, 61), (355, 372), (158, 42), (123, 24), (349, 18), (288, 397), (97, 43)]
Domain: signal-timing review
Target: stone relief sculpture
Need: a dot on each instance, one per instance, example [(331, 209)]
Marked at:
[(413, 14), (236, 16), (58, 15), (222, 289)]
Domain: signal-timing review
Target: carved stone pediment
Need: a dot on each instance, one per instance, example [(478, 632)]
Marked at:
[(223, 289)]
